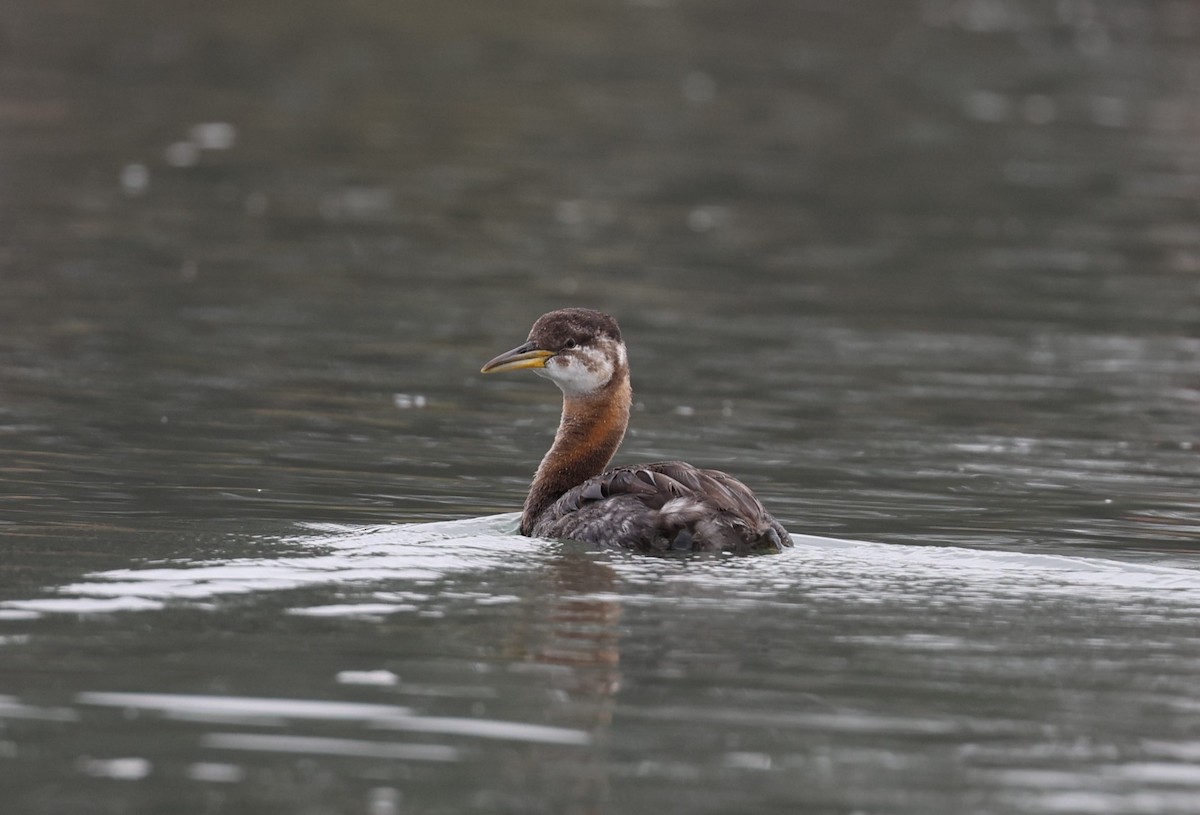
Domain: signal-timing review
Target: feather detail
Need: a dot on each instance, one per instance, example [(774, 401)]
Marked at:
[(665, 506)]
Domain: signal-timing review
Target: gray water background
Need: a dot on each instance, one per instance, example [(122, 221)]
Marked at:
[(925, 275)]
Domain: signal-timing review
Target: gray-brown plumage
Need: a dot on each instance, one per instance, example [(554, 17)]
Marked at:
[(661, 507)]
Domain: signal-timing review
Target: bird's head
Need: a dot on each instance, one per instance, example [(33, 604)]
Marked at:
[(578, 349)]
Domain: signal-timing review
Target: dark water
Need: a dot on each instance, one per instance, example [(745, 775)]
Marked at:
[(924, 274)]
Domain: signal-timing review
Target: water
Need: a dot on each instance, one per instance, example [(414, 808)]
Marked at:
[(924, 275), (455, 667)]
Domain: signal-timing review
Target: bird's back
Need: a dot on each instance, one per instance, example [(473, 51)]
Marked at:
[(663, 507)]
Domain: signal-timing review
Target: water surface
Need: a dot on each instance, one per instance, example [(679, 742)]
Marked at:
[(924, 275)]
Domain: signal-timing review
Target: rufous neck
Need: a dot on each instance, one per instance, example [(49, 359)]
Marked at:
[(589, 433)]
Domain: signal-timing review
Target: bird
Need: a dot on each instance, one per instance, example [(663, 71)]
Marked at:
[(665, 507)]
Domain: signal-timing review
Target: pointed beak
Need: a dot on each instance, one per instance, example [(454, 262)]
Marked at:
[(523, 356)]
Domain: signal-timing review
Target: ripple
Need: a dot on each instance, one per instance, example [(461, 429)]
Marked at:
[(423, 553), (183, 706), (839, 567), (488, 729), (330, 554), (326, 746)]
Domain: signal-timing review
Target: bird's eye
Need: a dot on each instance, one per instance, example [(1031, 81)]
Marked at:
[(569, 345)]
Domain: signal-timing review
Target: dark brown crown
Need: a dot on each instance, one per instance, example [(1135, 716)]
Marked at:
[(555, 330)]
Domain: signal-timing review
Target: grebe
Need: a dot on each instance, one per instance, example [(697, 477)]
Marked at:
[(661, 507)]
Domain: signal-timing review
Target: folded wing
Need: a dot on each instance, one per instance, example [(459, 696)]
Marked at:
[(665, 506)]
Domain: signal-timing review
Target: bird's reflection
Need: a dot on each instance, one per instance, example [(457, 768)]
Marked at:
[(577, 628)]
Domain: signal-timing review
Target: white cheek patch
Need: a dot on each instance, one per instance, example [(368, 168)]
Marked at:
[(580, 372)]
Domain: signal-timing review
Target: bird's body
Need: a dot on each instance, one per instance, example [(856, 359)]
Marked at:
[(661, 507)]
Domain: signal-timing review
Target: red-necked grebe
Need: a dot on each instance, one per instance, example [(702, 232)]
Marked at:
[(661, 507)]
